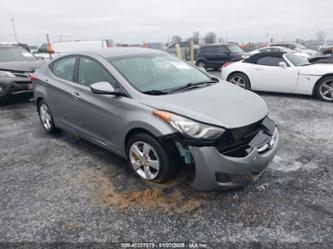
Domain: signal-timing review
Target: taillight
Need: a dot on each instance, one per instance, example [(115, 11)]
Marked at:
[(227, 64), (33, 77)]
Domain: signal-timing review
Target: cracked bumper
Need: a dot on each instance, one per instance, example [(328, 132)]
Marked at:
[(215, 171)]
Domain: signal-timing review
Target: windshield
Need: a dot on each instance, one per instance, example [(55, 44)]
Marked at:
[(15, 54), (157, 72), (235, 49), (297, 60)]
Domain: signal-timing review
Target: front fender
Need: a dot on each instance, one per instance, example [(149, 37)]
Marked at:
[(148, 123)]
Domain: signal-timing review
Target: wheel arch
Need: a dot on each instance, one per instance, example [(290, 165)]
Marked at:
[(239, 72), (319, 80), (38, 100)]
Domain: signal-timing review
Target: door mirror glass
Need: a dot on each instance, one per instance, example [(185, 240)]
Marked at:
[(102, 87), (282, 64)]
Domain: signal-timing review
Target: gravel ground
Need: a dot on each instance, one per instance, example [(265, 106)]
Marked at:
[(62, 188)]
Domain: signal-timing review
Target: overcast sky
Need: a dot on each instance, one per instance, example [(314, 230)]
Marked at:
[(135, 21)]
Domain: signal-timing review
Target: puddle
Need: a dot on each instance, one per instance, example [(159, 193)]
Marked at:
[(164, 198)]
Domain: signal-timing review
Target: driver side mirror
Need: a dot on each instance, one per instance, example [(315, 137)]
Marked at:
[(283, 64), (102, 87)]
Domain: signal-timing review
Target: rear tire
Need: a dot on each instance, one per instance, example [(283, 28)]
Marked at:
[(240, 79), (46, 118), (149, 159), (324, 89)]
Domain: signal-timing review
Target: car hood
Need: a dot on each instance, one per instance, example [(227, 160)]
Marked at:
[(23, 66), (316, 69), (222, 104)]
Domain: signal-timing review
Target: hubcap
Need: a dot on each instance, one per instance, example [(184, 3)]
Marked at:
[(144, 160), (45, 116), (239, 81), (326, 90)]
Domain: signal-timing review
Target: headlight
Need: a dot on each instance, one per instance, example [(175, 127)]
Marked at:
[(189, 127), (6, 74)]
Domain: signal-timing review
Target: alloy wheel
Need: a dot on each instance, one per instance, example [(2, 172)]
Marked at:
[(239, 81), (45, 116), (144, 160), (326, 90)]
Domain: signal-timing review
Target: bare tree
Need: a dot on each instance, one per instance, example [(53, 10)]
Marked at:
[(176, 38), (210, 38), (221, 39), (321, 35)]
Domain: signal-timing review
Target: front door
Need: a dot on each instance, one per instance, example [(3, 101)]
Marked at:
[(268, 75)]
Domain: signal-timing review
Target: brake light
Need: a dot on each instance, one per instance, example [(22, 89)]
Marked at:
[(33, 77), (227, 64)]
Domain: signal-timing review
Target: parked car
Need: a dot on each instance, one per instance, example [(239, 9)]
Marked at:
[(282, 72), (16, 66), (326, 58), (327, 50), (269, 49), (63, 47), (278, 49), (153, 109), (214, 56), (297, 47)]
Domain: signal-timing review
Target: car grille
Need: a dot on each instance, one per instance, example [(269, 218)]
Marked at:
[(241, 141)]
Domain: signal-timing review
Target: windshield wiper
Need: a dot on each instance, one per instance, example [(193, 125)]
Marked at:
[(191, 85), (156, 92)]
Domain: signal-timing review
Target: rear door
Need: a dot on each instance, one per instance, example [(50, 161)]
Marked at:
[(267, 75), (59, 95)]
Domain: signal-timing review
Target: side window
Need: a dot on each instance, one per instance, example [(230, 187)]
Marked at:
[(222, 50), (64, 68), (211, 50), (90, 71), (269, 61)]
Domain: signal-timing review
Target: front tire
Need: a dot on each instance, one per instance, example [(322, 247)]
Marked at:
[(46, 117), (149, 159), (240, 80), (324, 89), (202, 64)]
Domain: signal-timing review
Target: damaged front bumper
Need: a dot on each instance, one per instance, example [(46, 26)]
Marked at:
[(235, 165)]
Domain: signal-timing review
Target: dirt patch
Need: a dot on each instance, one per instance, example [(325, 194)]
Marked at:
[(162, 198)]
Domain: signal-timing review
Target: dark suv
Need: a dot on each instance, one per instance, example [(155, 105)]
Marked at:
[(214, 56)]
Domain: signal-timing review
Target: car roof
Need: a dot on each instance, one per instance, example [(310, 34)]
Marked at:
[(120, 52)]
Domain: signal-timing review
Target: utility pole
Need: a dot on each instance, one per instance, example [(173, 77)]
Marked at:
[(14, 29)]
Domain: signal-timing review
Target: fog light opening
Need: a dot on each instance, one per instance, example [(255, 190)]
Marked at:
[(222, 177)]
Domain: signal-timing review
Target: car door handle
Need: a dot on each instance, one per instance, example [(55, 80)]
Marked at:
[(259, 69), (76, 95)]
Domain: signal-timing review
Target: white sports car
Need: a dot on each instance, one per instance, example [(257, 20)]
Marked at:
[(281, 72)]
